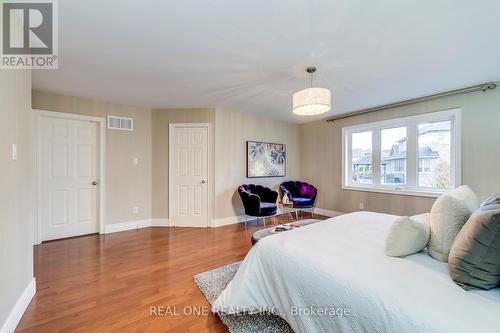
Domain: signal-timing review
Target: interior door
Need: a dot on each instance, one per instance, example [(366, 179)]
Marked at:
[(68, 177), (189, 176)]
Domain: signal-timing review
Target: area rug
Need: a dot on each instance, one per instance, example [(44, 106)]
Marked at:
[(213, 282)]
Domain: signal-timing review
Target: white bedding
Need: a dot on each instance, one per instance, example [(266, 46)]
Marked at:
[(340, 264)]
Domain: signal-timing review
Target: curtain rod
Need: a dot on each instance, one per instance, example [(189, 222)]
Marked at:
[(480, 87)]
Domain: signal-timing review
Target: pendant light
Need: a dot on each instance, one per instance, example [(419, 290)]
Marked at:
[(313, 100)]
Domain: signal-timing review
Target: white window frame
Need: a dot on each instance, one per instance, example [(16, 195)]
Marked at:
[(411, 123)]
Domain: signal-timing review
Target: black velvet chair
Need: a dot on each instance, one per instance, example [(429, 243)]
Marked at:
[(258, 201), (302, 194)]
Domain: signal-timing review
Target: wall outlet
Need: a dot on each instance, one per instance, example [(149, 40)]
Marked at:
[(361, 205), (135, 161), (135, 210)]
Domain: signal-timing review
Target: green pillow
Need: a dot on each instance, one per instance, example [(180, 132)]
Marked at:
[(474, 260)]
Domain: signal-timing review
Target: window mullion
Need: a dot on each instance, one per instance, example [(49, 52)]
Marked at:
[(376, 156), (348, 147), (456, 151), (412, 155)]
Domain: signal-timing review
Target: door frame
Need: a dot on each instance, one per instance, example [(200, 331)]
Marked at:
[(171, 128), (101, 155)]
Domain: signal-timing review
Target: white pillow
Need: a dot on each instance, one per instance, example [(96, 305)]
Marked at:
[(465, 194), (408, 235), (448, 214)]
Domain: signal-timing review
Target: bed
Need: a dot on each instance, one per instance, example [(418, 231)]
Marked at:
[(333, 276)]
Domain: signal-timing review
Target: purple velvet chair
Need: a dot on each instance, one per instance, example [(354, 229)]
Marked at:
[(258, 201), (302, 194)]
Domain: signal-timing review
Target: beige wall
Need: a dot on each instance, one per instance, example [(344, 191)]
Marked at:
[(313, 154), (230, 131), (321, 154), (161, 118), (146, 185), (128, 185), (233, 129), (16, 190)]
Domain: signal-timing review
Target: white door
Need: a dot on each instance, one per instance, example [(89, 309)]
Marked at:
[(189, 176), (68, 160)]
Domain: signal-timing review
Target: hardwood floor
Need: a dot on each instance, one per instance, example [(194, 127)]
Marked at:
[(108, 283)]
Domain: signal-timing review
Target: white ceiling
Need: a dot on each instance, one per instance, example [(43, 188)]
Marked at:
[(250, 56)]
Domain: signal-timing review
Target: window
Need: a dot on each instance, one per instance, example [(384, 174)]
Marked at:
[(417, 155), (393, 155), (434, 152), (362, 171)]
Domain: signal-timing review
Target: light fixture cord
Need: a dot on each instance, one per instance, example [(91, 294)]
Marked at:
[(312, 78)]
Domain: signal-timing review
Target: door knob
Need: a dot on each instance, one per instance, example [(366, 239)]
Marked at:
[(203, 181), (94, 183)]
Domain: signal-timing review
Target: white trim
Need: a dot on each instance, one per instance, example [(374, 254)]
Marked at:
[(124, 226), (219, 222), (135, 225), (456, 154), (411, 123), (102, 175), (157, 222), (402, 191), (37, 239), (327, 212), (18, 310), (171, 126)]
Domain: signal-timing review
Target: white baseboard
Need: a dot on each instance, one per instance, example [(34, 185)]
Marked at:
[(228, 220), (156, 222), (129, 225), (319, 211), (17, 312), (327, 212), (241, 218), (219, 222), (133, 225)]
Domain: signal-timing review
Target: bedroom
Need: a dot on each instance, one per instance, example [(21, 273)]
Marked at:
[(412, 114)]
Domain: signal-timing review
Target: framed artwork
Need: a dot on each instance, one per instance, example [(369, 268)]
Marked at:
[(266, 159)]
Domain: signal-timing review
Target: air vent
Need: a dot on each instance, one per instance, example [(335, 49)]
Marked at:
[(120, 123)]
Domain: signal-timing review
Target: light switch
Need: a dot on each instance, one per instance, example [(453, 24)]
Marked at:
[(135, 161), (14, 151)]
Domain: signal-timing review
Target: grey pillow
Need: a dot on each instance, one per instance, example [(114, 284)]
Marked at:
[(493, 200), (474, 260)]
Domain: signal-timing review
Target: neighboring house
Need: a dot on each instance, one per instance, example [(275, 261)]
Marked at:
[(362, 169), (434, 142), (433, 163)]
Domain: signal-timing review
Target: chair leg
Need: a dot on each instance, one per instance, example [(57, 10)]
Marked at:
[(312, 211)]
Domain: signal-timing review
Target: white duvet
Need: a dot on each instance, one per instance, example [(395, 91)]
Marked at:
[(338, 267)]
